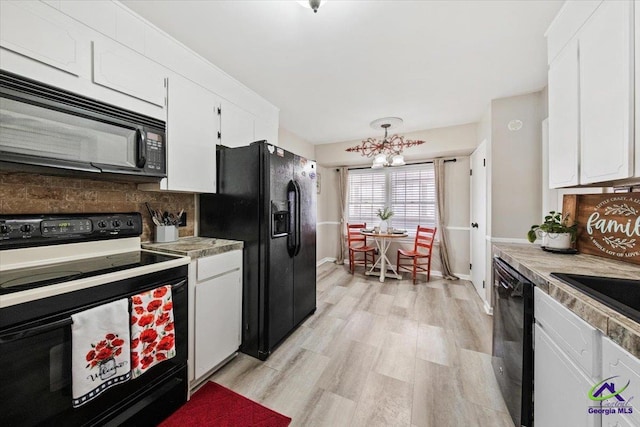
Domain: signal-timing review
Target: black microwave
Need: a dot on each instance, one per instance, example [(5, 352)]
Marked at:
[(49, 130)]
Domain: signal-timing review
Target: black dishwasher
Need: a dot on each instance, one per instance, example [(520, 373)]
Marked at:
[(513, 340)]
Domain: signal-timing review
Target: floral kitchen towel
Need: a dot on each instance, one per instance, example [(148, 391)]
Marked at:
[(99, 350), (152, 334)]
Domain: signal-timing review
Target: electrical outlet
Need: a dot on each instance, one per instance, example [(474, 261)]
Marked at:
[(183, 220)]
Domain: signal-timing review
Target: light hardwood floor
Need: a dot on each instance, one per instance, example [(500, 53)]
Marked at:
[(374, 354)]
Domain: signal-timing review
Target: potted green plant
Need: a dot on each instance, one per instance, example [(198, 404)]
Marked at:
[(555, 231), (384, 214)]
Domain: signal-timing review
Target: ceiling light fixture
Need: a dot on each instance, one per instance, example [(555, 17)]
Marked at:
[(312, 4), (387, 152)]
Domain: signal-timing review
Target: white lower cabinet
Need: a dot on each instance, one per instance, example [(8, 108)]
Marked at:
[(216, 313), (561, 388), (621, 367), (566, 366)]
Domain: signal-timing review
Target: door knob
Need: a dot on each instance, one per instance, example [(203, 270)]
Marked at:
[(474, 224)]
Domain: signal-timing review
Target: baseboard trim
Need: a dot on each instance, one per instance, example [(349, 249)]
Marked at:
[(488, 309), (324, 260)]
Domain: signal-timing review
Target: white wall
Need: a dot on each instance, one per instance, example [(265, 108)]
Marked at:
[(292, 142), (516, 165), (454, 141)]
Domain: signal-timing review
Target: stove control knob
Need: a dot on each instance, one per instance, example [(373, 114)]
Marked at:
[(115, 223), (4, 229), (26, 228), (102, 224), (130, 222)]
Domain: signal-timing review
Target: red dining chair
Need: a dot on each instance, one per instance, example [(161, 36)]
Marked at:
[(420, 257), (358, 245)]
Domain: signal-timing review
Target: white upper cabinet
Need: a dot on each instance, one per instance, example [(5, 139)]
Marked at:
[(236, 125), (122, 69), (591, 94), (192, 132), (49, 38), (606, 94), (564, 125), (637, 80)]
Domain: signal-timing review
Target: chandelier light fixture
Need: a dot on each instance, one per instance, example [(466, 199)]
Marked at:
[(388, 151), (312, 4)]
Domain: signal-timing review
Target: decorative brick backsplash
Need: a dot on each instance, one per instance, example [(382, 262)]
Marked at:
[(23, 193)]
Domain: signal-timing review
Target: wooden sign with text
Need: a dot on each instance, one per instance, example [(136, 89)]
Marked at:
[(608, 224)]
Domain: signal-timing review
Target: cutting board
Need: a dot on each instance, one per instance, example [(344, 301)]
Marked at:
[(608, 224)]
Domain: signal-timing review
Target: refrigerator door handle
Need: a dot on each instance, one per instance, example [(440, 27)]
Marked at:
[(297, 219), (292, 199)]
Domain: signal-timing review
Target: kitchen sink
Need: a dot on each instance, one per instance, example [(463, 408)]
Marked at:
[(622, 295)]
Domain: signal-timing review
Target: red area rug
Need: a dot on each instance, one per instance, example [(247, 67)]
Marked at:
[(214, 405)]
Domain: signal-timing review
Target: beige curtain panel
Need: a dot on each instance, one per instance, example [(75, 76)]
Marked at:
[(342, 188), (445, 265)]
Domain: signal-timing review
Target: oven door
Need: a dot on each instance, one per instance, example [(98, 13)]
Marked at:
[(35, 373)]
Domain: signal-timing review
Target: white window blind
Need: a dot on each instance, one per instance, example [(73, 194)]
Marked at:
[(367, 194), (409, 191)]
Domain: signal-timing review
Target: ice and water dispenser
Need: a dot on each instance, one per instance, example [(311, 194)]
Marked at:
[(280, 219)]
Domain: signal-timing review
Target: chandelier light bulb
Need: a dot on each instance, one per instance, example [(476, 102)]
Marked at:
[(312, 4), (398, 160)]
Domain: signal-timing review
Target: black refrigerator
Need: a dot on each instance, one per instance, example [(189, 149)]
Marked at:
[(267, 198)]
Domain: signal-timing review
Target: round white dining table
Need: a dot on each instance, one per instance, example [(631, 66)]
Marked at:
[(383, 241)]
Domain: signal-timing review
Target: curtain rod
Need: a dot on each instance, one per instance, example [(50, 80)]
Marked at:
[(409, 164)]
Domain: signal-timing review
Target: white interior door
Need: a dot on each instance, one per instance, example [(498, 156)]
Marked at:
[(478, 218)]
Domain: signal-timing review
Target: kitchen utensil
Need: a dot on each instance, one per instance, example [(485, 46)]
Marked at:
[(153, 214)]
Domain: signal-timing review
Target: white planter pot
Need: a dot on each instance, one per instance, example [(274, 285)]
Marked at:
[(558, 240), (542, 235), (383, 226)]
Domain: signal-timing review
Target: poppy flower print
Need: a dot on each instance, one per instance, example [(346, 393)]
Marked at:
[(110, 346), (152, 329)]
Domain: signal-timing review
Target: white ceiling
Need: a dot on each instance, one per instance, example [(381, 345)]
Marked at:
[(433, 63)]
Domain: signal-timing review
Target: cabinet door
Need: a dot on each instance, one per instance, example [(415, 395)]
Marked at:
[(636, 82), (560, 388), (39, 32), (564, 118), (191, 137), (236, 125), (122, 69), (606, 94), (618, 363), (218, 320)]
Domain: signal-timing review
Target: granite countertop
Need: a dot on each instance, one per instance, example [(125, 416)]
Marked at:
[(537, 265), (195, 247)]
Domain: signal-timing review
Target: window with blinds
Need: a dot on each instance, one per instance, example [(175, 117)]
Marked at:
[(410, 191)]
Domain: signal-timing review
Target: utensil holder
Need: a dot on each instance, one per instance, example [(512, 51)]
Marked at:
[(166, 233)]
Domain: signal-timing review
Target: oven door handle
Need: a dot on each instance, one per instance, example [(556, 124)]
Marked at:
[(178, 285), (33, 330)]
